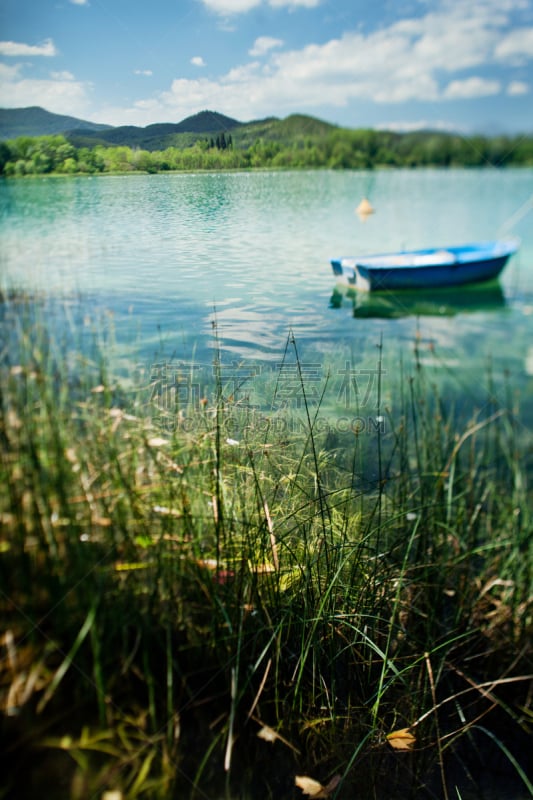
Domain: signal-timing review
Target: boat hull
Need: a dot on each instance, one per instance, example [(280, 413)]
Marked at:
[(423, 269)]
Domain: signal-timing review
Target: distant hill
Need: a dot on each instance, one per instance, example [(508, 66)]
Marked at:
[(291, 129), (210, 140), (159, 135), (206, 122), (36, 121)]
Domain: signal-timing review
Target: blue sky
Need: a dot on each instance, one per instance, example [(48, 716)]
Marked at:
[(463, 65)]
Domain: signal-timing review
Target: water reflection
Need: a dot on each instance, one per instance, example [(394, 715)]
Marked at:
[(434, 303)]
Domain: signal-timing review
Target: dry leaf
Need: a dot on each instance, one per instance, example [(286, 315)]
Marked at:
[(208, 563), (157, 441), (268, 734), (309, 786), (314, 789), (401, 739), (103, 522)]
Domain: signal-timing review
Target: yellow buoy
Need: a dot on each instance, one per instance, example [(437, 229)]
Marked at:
[(364, 209)]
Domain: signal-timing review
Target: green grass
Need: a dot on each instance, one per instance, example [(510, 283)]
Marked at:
[(169, 591)]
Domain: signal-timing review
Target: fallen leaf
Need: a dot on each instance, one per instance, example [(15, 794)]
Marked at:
[(268, 734), (157, 441), (314, 789), (401, 739), (208, 563), (309, 786), (103, 522)]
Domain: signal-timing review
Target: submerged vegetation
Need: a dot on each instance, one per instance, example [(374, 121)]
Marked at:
[(291, 143), (198, 603)]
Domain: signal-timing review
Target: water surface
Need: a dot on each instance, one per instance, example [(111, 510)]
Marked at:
[(165, 261)]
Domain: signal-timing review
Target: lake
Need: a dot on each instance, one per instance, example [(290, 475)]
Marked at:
[(181, 278), (166, 267)]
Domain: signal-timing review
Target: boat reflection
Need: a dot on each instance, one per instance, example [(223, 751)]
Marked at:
[(434, 303)]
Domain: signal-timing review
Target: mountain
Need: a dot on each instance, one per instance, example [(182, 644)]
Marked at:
[(36, 121), (293, 128), (206, 122), (159, 135)]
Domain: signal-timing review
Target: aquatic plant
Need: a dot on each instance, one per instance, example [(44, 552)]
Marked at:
[(235, 609)]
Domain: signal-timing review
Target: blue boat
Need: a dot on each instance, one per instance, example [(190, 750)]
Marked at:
[(426, 269)]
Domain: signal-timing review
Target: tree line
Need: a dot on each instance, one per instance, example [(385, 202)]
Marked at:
[(341, 149)]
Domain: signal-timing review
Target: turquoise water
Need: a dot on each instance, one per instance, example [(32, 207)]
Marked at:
[(161, 265), (165, 261)]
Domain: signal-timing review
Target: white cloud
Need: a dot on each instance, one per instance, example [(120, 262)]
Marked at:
[(470, 88), (408, 126), (231, 6), (64, 75), (243, 6), (197, 61), (263, 45), (80, 2), (452, 38), (243, 75), (517, 88), (47, 48), (439, 56), (61, 95), (147, 73), (294, 3), (516, 47), (9, 73)]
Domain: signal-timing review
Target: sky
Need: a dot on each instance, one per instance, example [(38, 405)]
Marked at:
[(464, 65)]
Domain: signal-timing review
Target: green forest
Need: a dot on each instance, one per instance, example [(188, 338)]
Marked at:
[(336, 149)]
